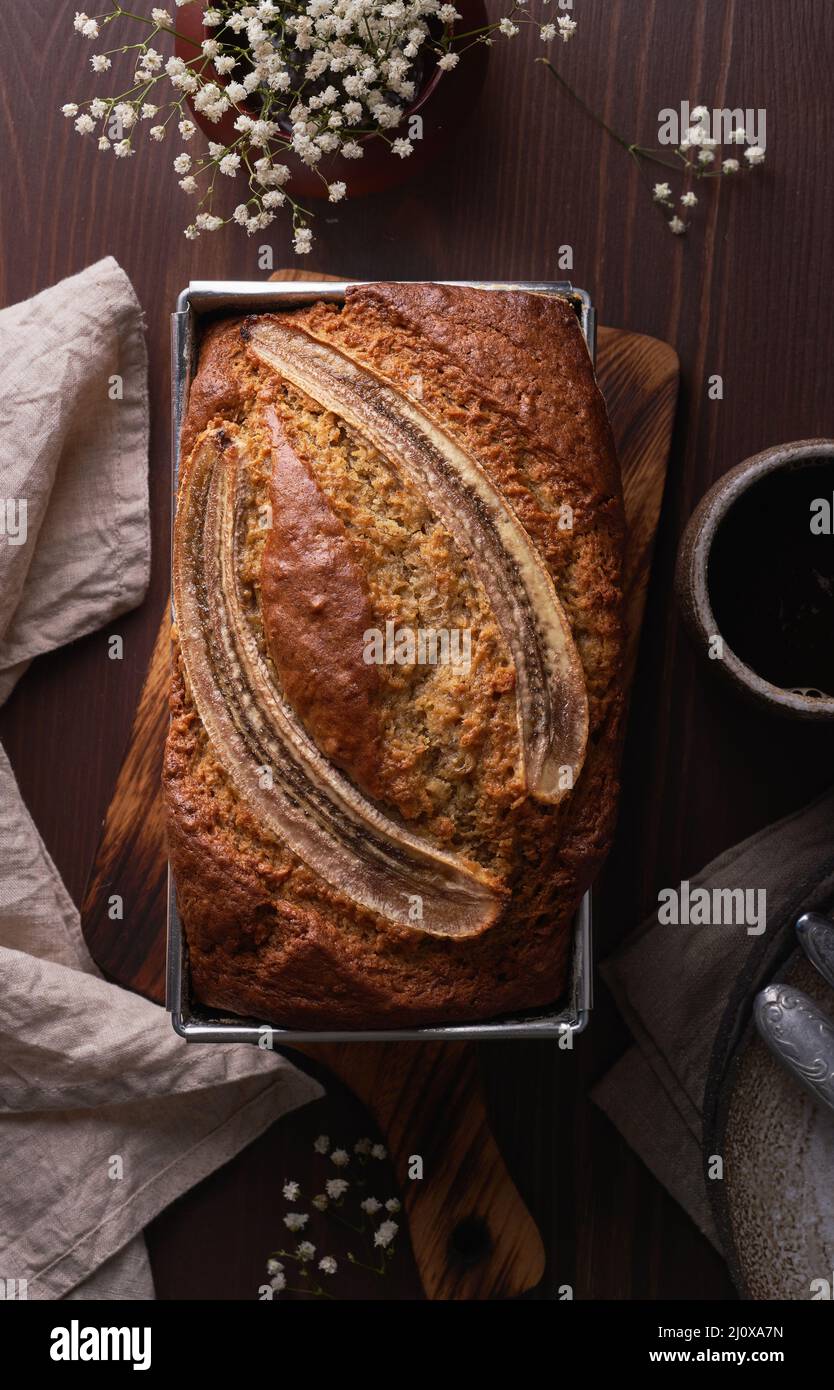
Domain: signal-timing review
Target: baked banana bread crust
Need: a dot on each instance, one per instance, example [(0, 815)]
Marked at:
[(387, 839)]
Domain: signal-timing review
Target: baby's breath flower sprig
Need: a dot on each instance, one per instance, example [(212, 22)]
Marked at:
[(304, 1258), (696, 157), (302, 78), (374, 1223)]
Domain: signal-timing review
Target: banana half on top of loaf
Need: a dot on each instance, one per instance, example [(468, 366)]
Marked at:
[(391, 770)]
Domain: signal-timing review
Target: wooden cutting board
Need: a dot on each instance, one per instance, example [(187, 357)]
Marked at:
[(472, 1236)]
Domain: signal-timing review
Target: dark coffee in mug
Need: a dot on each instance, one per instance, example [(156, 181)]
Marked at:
[(771, 577)]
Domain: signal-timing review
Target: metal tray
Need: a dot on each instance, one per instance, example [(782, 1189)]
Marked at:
[(195, 1021)]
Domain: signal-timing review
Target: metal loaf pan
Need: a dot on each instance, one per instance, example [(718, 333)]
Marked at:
[(207, 299)]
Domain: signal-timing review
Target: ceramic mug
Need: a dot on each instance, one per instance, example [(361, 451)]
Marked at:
[(692, 579)]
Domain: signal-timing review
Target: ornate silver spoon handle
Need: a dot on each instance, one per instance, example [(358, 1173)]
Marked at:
[(800, 1035), (816, 937)]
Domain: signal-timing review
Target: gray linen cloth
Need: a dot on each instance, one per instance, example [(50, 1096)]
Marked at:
[(673, 984), (106, 1116)]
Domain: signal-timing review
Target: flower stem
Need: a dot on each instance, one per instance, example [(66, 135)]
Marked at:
[(373, 1269), (652, 158), (157, 28), (631, 149)]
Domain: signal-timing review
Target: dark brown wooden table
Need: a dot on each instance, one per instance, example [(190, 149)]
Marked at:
[(748, 294)]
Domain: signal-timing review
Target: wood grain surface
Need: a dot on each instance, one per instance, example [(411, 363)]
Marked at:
[(747, 294), (427, 1099)]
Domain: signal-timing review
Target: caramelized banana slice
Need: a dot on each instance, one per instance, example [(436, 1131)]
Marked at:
[(306, 801)]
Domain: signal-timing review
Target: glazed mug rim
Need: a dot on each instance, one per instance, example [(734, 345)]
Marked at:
[(692, 582)]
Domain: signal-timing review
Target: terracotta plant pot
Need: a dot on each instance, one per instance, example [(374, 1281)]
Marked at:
[(442, 105), (692, 578)]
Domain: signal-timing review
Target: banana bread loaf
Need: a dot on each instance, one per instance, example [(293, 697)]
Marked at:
[(391, 770)]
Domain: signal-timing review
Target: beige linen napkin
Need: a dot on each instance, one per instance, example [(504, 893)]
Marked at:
[(673, 984), (106, 1116)]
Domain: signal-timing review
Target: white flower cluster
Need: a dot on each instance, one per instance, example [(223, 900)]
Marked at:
[(379, 1239), (697, 152), (309, 79)]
